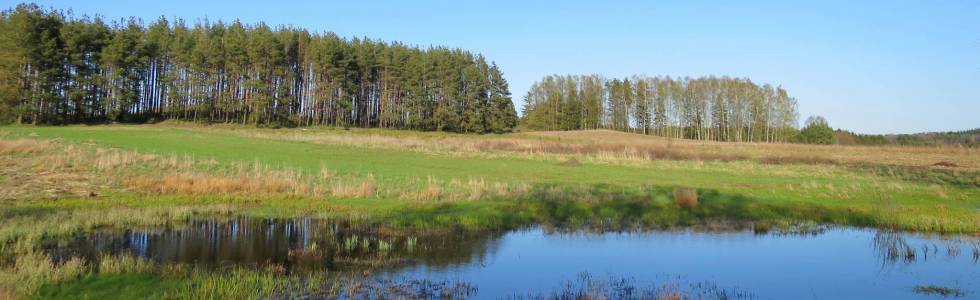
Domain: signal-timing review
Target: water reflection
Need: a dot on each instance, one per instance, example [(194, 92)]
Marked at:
[(857, 263), (292, 243)]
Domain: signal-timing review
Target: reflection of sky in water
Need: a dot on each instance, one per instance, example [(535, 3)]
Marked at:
[(838, 264), (835, 264)]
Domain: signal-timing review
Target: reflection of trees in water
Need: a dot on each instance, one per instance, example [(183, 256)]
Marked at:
[(313, 244), (893, 247), (293, 243)]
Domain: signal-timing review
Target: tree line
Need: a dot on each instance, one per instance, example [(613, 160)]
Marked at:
[(966, 138), (58, 69), (705, 108)]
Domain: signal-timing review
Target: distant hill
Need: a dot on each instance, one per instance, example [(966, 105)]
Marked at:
[(968, 138)]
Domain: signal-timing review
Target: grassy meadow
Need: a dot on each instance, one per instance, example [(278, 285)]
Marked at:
[(60, 181)]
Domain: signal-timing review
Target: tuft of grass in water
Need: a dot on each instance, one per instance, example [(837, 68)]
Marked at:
[(117, 264), (410, 243), (939, 291), (237, 283)]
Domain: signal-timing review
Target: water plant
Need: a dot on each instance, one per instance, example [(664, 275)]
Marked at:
[(939, 291), (410, 243), (351, 243), (384, 247)]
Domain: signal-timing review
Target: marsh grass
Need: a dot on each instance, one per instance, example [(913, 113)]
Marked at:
[(939, 291), (117, 264), (31, 270), (242, 283)]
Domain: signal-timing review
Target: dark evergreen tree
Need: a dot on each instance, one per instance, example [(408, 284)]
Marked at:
[(817, 131), (59, 69)]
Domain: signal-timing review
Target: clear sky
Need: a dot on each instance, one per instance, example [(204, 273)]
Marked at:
[(872, 67)]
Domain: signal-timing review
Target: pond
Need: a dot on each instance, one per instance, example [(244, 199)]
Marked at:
[(828, 263)]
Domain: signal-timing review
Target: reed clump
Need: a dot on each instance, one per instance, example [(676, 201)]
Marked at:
[(118, 264), (430, 192), (362, 188)]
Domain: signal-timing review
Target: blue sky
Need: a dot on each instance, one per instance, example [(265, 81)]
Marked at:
[(872, 67)]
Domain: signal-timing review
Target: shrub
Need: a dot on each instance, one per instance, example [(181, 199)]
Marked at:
[(685, 198)]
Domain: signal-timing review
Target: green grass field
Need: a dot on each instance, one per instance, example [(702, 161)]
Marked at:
[(64, 180)]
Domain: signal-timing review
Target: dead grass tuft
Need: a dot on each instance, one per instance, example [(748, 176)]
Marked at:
[(805, 160), (197, 184), (685, 198), (109, 159), (945, 164), (22, 146), (571, 162), (433, 191), (358, 189), (430, 193)]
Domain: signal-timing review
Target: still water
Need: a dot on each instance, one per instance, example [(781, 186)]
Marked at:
[(831, 263)]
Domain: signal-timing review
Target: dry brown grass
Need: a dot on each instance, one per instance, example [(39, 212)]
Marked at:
[(685, 198), (783, 152), (50, 173), (355, 189), (811, 160), (109, 159), (69, 170), (471, 189), (201, 184), (945, 164), (570, 162), (430, 193), (22, 146), (66, 170)]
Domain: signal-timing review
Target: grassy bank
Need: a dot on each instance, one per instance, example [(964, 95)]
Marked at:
[(57, 181)]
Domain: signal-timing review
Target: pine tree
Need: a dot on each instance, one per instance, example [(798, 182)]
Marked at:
[(502, 116), (81, 70)]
